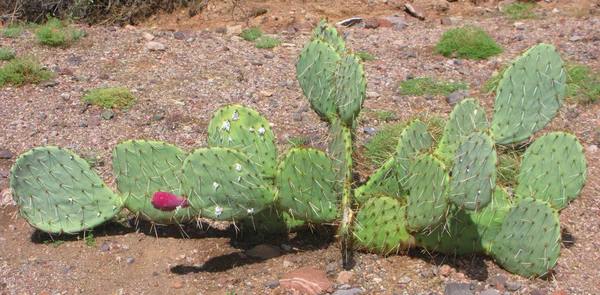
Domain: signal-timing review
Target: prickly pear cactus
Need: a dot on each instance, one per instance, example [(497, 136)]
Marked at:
[(329, 34), (57, 192), (350, 88)]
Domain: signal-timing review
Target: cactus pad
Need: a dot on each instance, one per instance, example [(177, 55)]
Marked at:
[(245, 130), (143, 168), (530, 93), (380, 226), (223, 184), (474, 172), (553, 170), (528, 243), (384, 182), (427, 201), (413, 140), (351, 88), (57, 192), (307, 185), (329, 34)]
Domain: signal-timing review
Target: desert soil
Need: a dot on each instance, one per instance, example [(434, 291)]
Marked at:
[(202, 69)]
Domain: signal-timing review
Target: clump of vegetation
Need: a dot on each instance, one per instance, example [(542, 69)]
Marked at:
[(383, 144), (365, 56), (55, 33), (266, 42), (6, 53), (13, 30), (509, 161), (251, 34), (519, 10), (23, 70), (421, 86), (297, 141), (469, 42), (582, 85), (384, 115), (110, 97)]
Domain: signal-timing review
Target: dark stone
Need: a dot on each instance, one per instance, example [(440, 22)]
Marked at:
[(264, 252), (103, 76), (512, 286), (43, 116), (4, 173), (520, 38), (82, 124), (298, 116), (269, 55), (159, 117), (428, 96), (537, 292), (369, 130), (75, 60), (521, 28), (108, 114), (456, 96), (458, 62), (179, 35), (6, 154), (446, 21), (372, 25), (458, 289), (272, 284), (490, 292), (353, 291), (105, 247), (130, 260), (49, 84)]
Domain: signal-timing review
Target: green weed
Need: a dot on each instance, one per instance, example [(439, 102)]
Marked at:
[(519, 10), (89, 240), (266, 42), (365, 56), (251, 34), (54, 243), (468, 41), (13, 31), (55, 33), (23, 70), (509, 161), (384, 115), (6, 53), (383, 144), (582, 84), (421, 86), (297, 141), (110, 97)]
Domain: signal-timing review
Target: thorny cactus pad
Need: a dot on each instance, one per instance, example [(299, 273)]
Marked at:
[(329, 34), (57, 192), (350, 88)]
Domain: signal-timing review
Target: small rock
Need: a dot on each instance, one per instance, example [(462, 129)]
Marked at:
[(4, 174), (265, 93), (82, 124), (43, 116), (575, 38), (177, 286), (5, 154), (344, 277), (537, 292), (456, 96), (49, 84), (428, 97), (103, 76), (179, 35), (560, 292), (490, 292), (306, 279), (413, 11), (297, 116), (498, 282), (155, 46), (94, 121), (272, 284), (369, 130), (32, 133), (148, 36), (458, 289), (521, 28), (286, 247), (592, 148), (348, 291), (404, 280), (233, 30), (158, 117), (373, 94), (287, 263), (54, 133), (264, 252), (372, 24), (445, 270), (446, 21), (512, 286), (269, 55), (130, 260), (520, 38), (108, 114), (75, 60)]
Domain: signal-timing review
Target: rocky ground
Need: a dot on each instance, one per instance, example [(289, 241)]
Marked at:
[(181, 70)]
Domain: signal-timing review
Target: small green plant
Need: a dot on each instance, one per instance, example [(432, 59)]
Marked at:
[(383, 144), (384, 115), (55, 33), (251, 34), (110, 97), (6, 53), (13, 30), (421, 86), (89, 240), (582, 85), (519, 10), (493, 82), (469, 42), (23, 70), (509, 161), (53, 243), (365, 56), (297, 141), (266, 42)]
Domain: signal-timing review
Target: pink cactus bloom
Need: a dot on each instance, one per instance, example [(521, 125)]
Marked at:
[(164, 201)]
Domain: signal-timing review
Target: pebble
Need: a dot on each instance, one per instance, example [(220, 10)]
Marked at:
[(264, 252), (158, 117), (370, 130), (349, 291), (108, 114), (520, 38), (82, 124), (32, 133), (272, 284), (49, 84), (445, 270), (179, 35), (269, 55), (54, 133), (592, 148), (344, 277), (105, 247), (404, 280), (297, 116), (5, 154), (575, 38), (458, 289), (456, 96), (490, 292), (148, 36), (428, 96), (130, 260), (155, 46), (177, 286), (512, 286)]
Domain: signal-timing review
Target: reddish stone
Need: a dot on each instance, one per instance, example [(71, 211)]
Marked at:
[(561, 292), (306, 280)]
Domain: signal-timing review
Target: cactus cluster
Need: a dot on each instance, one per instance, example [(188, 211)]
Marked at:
[(442, 198)]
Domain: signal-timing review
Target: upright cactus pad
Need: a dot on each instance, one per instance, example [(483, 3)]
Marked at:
[(553, 170), (384, 182), (351, 88), (413, 140), (530, 93), (223, 184), (329, 34), (528, 243), (466, 118), (339, 148), (427, 201), (380, 226), (307, 185), (57, 192), (316, 68), (474, 172), (245, 130), (142, 168)]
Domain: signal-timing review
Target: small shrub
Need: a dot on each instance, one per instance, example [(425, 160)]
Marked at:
[(468, 41), (110, 97), (13, 31), (519, 10), (266, 42), (365, 56), (582, 85), (251, 34), (55, 33), (6, 53), (421, 86), (23, 70)]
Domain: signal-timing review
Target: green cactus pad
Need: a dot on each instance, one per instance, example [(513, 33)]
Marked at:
[(351, 88), (272, 221), (245, 130), (380, 226), (553, 170), (427, 201), (329, 34), (466, 118), (340, 149), (413, 140), (315, 69), (384, 182), (57, 192), (530, 93), (307, 185), (223, 184), (489, 219), (474, 172), (528, 243), (142, 168)]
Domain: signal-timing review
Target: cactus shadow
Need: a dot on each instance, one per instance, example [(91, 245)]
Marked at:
[(472, 266), (568, 239)]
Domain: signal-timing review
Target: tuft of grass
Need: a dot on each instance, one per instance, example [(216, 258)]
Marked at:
[(519, 10), (582, 84), (54, 243), (13, 30), (110, 97), (297, 141), (384, 115), (469, 42), (383, 144), (55, 33), (421, 86), (266, 42), (89, 240), (509, 161), (491, 84), (252, 34), (365, 56), (6, 53), (23, 70)]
